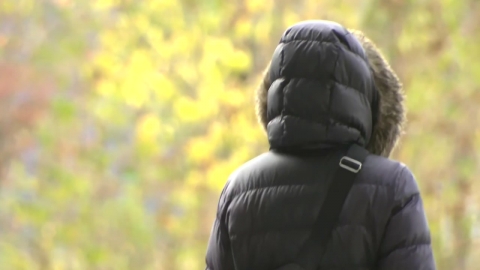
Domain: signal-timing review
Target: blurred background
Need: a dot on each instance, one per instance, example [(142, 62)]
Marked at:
[(120, 121)]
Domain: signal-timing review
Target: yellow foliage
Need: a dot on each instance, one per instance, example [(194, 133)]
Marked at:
[(291, 18), (104, 110), (185, 197), (218, 174), (103, 4), (251, 132), (258, 5), (187, 72), (182, 44), (189, 110), (241, 156), (186, 109), (148, 128), (234, 97), (107, 63), (194, 178), (243, 28), (237, 60), (162, 87), (261, 30), (210, 86), (142, 24), (107, 88), (137, 75), (216, 47), (200, 150)]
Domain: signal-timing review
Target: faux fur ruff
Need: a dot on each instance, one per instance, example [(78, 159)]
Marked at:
[(391, 113)]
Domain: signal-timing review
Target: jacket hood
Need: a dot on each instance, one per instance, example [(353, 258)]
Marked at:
[(327, 86)]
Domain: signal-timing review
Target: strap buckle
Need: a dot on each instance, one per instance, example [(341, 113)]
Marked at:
[(350, 164)]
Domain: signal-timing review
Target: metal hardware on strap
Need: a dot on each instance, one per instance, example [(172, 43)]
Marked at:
[(350, 164)]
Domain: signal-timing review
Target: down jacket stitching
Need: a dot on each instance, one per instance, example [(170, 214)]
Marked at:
[(396, 249), (382, 185), (258, 233), (317, 41), (333, 122), (266, 187)]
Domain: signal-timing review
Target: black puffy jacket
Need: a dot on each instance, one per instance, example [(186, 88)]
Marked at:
[(326, 87)]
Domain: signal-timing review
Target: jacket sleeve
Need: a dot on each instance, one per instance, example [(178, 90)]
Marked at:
[(406, 243), (219, 255)]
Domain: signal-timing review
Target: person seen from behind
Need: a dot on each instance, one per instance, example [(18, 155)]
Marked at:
[(326, 88)]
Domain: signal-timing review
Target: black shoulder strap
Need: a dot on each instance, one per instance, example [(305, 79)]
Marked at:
[(349, 166)]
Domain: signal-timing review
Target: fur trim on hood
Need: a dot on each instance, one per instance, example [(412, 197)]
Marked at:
[(391, 113)]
